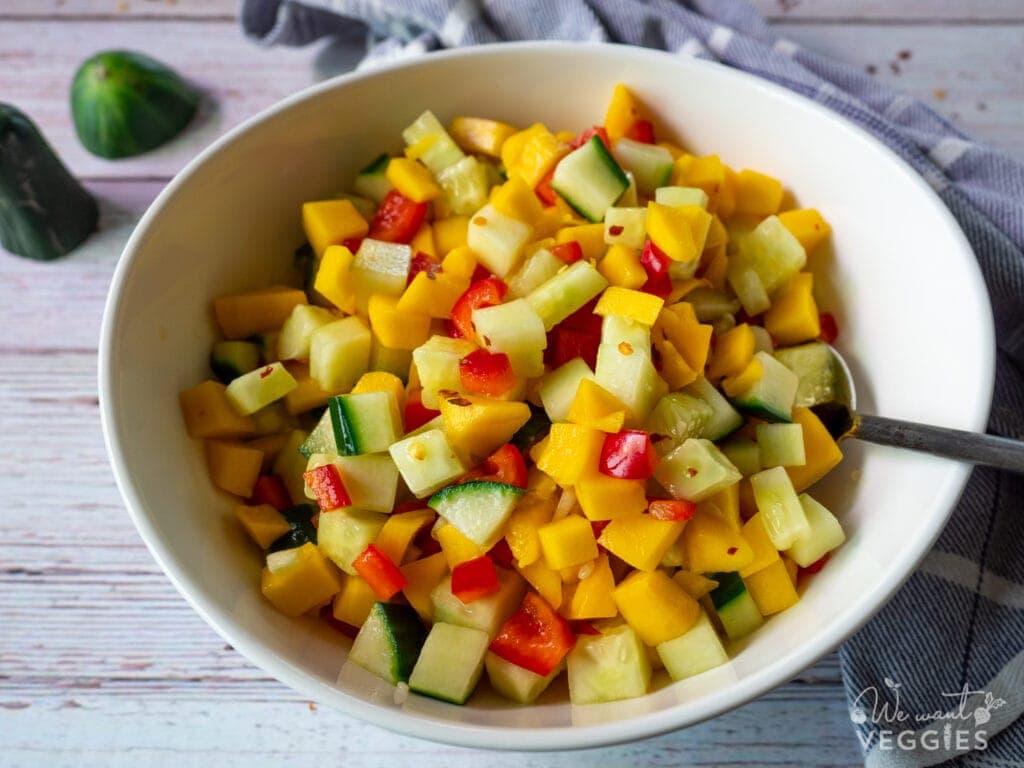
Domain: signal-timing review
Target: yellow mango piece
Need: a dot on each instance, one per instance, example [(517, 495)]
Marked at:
[(412, 179), (382, 381), (734, 385), (607, 498), (696, 585), (400, 529), (422, 576), (771, 588), (589, 236), (711, 545), (516, 199), (480, 136), (595, 407), (233, 467), (640, 540), (570, 452), (734, 350), (683, 343), (792, 568), (459, 263), (669, 229), (757, 194), (423, 241), (822, 452), (553, 217), (547, 582), (625, 302), (477, 426), (530, 514), (676, 372), (306, 580), (591, 597), (717, 235), (329, 222), (456, 547), (333, 279), (354, 602), (512, 147), (307, 394), (725, 504), (271, 446), (807, 226), (793, 316), (450, 233), (394, 328), (717, 270), (262, 522), (725, 205), (249, 314), (567, 542), (622, 112), (539, 154), (673, 149), (657, 608), (208, 413), (621, 266), (757, 537), (432, 296)]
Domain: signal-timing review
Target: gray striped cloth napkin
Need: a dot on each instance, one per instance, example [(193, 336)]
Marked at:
[(957, 626)]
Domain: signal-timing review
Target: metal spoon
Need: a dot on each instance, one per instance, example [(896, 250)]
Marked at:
[(843, 422)]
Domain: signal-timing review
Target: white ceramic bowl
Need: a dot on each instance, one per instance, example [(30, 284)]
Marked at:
[(901, 279)]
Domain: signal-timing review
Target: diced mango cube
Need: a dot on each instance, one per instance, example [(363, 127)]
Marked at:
[(233, 467), (622, 112), (537, 155), (208, 413), (670, 231), (807, 226), (640, 540), (477, 135), (595, 407), (696, 585), (757, 194), (821, 450), (394, 328), (400, 529), (741, 382), (354, 602), (657, 608), (635, 305), (757, 537), (771, 588), (476, 426), (591, 597), (734, 350), (432, 296), (516, 199), (711, 545), (330, 222), (450, 233), (530, 514), (423, 241), (250, 314), (621, 266), (793, 316), (567, 542), (307, 394), (589, 236), (571, 451), (423, 576), (607, 498), (457, 547), (547, 582), (306, 580), (262, 522), (412, 179), (333, 278)]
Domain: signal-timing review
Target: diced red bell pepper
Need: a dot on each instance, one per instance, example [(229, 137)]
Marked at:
[(269, 489), (326, 485), (501, 553), (641, 130), (535, 637), (352, 243), (564, 344), (416, 413), (483, 293), (423, 262), (544, 190), (583, 627), (569, 252), (674, 510), (380, 573), (817, 565), (587, 135), (628, 455), (829, 329), (474, 579), (398, 218), (655, 264), (506, 465), (480, 272), (584, 319), (486, 373)]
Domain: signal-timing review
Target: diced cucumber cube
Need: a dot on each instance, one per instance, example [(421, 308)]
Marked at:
[(695, 651), (271, 419), (818, 371), (625, 226), (781, 445), (762, 340), (339, 353), (293, 341), (711, 305), (487, 613), (539, 267), (589, 179), (342, 534), (438, 150), (396, 361), (389, 642), (679, 196), (372, 181), (559, 387), (426, 462), (479, 508), (560, 296), (497, 240), (290, 465), (696, 470), (515, 329), (749, 289), (514, 682), (450, 663), (379, 267), (783, 515), (371, 481), (734, 606), (772, 395), (254, 390), (628, 373), (321, 439), (679, 416), (744, 454), (650, 164), (629, 198), (608, 667), (465, 185), (437, 364), (231, 359), (824, 533), (773, 252), (364, 423)]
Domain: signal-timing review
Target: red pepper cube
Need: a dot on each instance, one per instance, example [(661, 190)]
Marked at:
[(570, 252), (269, 489), (486, 373), (474, 579), (416, 413), (535, 637), (564, 344), (655, 264), (501, 553), (641, 130), (544, 190), (382, 575), (398, 219), (423, 262), (628, 455), (829, 329), (506, 465), (673, 510), (584, 627), (326, 485), (818, 564), (488, 292), (587, 135)]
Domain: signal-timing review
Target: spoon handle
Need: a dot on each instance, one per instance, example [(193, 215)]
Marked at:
[(972, 447)]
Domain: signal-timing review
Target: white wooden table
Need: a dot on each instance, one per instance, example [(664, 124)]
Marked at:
[(101, 661)]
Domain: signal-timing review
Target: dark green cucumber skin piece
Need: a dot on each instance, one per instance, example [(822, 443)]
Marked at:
[(307, 265), (406, 633), (125, 103), (379, 164), (346, 440), (473, 486), (533, 431), (612, 165), (756, 409), (44, 211), (300, 518), (730, 586), (226, 369)]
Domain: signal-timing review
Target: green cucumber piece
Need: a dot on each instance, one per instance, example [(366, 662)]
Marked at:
[(254, 390), (679, 416), (479, 508), (696, 470), (293, 340), (696, 650), (558, 388), (379, 267), (437, 364), (650, 164), (533, 431), (487, 614), (465, 185), (272, 419), (710, 305), (625, 226), (629, 374), (557, 298), (744, 454), (300, 518), (372, 182), (608, 667), (678, 196), (497, 240), (339, 353), (290, 466), (443, 152), (748, 286), (781, 445), (773, 252), (539, 267), (389, 642), (734, 605), (231, 359), (590, 180), (824, 534), (783, 515), (363, 423), (396, 361), (343, 534), (724, 419), (629, 198), (450, 663), (820, 375), (321, 439), (771, 396), (514, 682), (516, 329), (371, 480), (426, 461)]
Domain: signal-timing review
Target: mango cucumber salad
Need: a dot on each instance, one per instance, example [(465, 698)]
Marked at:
[(539, 406)]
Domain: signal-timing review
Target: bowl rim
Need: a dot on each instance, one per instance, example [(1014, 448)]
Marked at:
[(561, 737)]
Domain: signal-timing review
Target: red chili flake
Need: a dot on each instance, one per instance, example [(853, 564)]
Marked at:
[(615, 230), (691, 472), (266, 371), (731, 551)]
